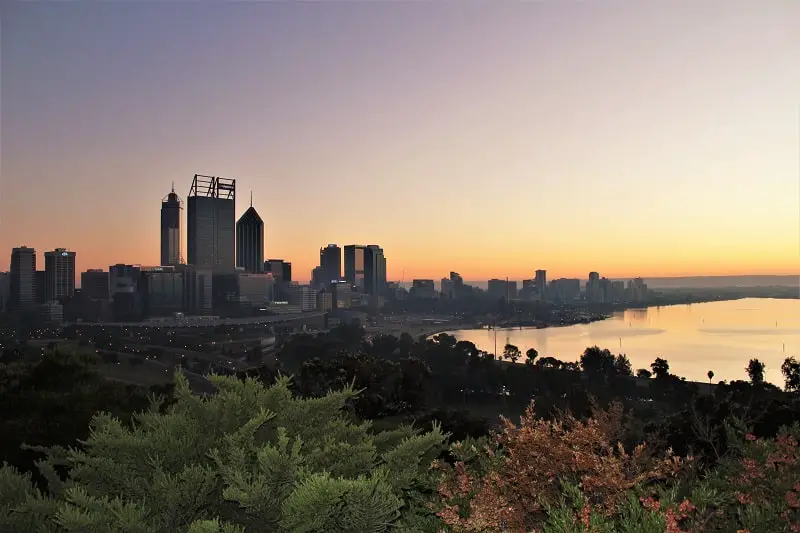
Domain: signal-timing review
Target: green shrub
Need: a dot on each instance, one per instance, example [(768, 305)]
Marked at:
[(248, 458)]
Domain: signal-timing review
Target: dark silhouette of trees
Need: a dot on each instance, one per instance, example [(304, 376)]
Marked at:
[(512, 353), (596, 360), (791, 372), (660, 368), (530, 356), (622, 365), (710, 375), (52, 401), (755, 369), (643, 373)]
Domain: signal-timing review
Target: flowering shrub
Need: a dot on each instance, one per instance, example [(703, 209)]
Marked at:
[(570, 476), (528, 469), (756, 490)]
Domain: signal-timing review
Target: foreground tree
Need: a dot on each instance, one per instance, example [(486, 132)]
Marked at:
[(248, 458)]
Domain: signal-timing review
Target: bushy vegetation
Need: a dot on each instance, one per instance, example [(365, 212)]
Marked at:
[(334, 448), (571, 476), (249, 458)]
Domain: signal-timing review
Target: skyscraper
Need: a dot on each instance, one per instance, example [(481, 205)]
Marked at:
[(171, 229), (374, 270), (22, 288), (59, 274), (211, 228), (250, 241), (541, 283), (330, 262), (593, 292), (354, 264)]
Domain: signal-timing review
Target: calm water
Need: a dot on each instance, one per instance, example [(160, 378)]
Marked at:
[(718, 336)]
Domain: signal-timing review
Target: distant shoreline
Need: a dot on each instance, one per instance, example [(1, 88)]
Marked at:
[(591, 320)]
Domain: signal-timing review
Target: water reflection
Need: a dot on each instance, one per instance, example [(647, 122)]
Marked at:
[(718, 336)]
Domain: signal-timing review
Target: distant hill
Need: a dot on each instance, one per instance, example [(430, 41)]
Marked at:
[(711, 282), (692, 282)]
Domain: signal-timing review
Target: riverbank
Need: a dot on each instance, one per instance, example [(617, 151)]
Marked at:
[(694, 339), (587, 317), (519, 326)]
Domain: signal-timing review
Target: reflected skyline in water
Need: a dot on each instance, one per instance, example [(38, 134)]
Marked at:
[(717, 336)]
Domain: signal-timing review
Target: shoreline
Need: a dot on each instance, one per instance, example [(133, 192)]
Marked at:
[(605, 317)]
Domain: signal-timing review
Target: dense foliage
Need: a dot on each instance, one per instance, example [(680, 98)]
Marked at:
[(572, 476), (52, 401), (248, 458), (600, 450)]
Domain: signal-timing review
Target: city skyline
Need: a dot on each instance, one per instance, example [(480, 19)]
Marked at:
[(651, 141)]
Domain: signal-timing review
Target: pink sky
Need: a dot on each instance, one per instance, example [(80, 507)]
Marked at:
[(632, 138)]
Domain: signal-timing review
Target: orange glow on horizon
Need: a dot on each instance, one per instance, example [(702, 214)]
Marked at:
[(652, 141)]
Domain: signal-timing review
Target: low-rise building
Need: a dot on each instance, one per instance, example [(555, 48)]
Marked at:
[(52, 312), (423, 289), (162, 291), (95, 283), (342, 295), (256, 290), (324, 301), (303, 296)]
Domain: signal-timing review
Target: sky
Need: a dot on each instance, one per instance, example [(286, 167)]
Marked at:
[(490, 138)]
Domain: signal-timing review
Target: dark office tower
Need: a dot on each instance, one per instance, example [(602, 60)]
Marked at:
[(286, 271), (330, 262), (40, 287), (94, 284), (541, 283), (250, 242), (374, 270), (593, 291), (171, 229), (281, 270), (5, 291), (318, 278), (22, 282), (211, 228), (354, 265), (59, 274)]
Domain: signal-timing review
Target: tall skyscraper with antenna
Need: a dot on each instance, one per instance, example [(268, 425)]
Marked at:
[(171, 207), (250, 240), (211, 223)]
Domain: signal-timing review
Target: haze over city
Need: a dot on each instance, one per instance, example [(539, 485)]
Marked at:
[(631, 139)]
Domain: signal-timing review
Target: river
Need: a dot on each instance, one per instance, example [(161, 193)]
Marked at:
[(717, 336)]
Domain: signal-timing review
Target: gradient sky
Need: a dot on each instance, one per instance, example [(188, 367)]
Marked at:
[(491, 138)]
